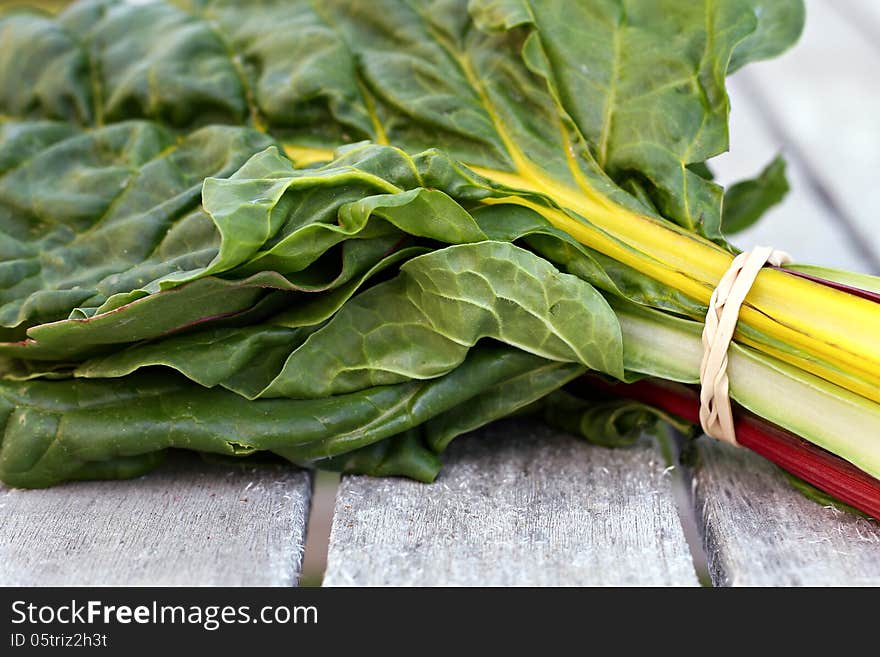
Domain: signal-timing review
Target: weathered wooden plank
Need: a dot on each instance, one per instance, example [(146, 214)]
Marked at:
[(188, 523), (822, 100), (760, 531), (802, 224), (516, 504)]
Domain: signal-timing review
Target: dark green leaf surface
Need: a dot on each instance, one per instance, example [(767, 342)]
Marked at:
[(779, 25), (278, 228), (59, 430), (606, 422), (422, 326), (576, 91), (419, 325), (104, 212)]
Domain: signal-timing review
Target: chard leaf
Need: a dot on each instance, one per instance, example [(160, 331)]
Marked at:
[(271, 216), (570, 98), (20, 141), (44, 71), (531, 230), (746, 201), (313, 231), (55, 431), (644, 88), (109, 247), (606, 422), (243, 359), (359, 313), (779, 25), (420, 325), (503, 399), (702, 170), (404, 455), (95, 213)]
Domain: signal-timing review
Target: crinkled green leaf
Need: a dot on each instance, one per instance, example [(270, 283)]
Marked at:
[(423, 323), (404, 455), (573, 93), (44, 71), (308, 230), (779, 25), (244, 359), (646, 92), (501, 400), (271, 216), (606, 422), (20, 141), (283, 225), (106, 211), (350, 313), (529, 228), (420, 325)]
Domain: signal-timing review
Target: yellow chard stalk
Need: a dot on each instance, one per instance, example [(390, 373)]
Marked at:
[(566, 125)]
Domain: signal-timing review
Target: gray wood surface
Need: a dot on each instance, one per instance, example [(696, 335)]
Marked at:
[(516, 504), (188, 523), (760, 531)]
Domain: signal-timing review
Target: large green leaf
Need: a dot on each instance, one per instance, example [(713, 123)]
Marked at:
[(362, 312), (510, 90), (420, 325), (59, 430), (559, 92), (306, 231), (44, 71), (126, 222), (746, 201), (779, 25), (95, 213)]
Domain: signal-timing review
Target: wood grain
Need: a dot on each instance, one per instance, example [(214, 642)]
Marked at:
[(516, 504), (760, 531), (186, 524)]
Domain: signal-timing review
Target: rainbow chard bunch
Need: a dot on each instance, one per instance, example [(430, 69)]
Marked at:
[(347, 232)]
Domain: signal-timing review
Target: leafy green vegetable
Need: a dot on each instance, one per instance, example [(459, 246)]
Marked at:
[(97, 213), (347, 232), (418, 326), (565, 91), (60, 430), (746, 201), (270, 226), (608, 422)]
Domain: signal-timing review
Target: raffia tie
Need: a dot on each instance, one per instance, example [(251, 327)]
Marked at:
[(716, 416)]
